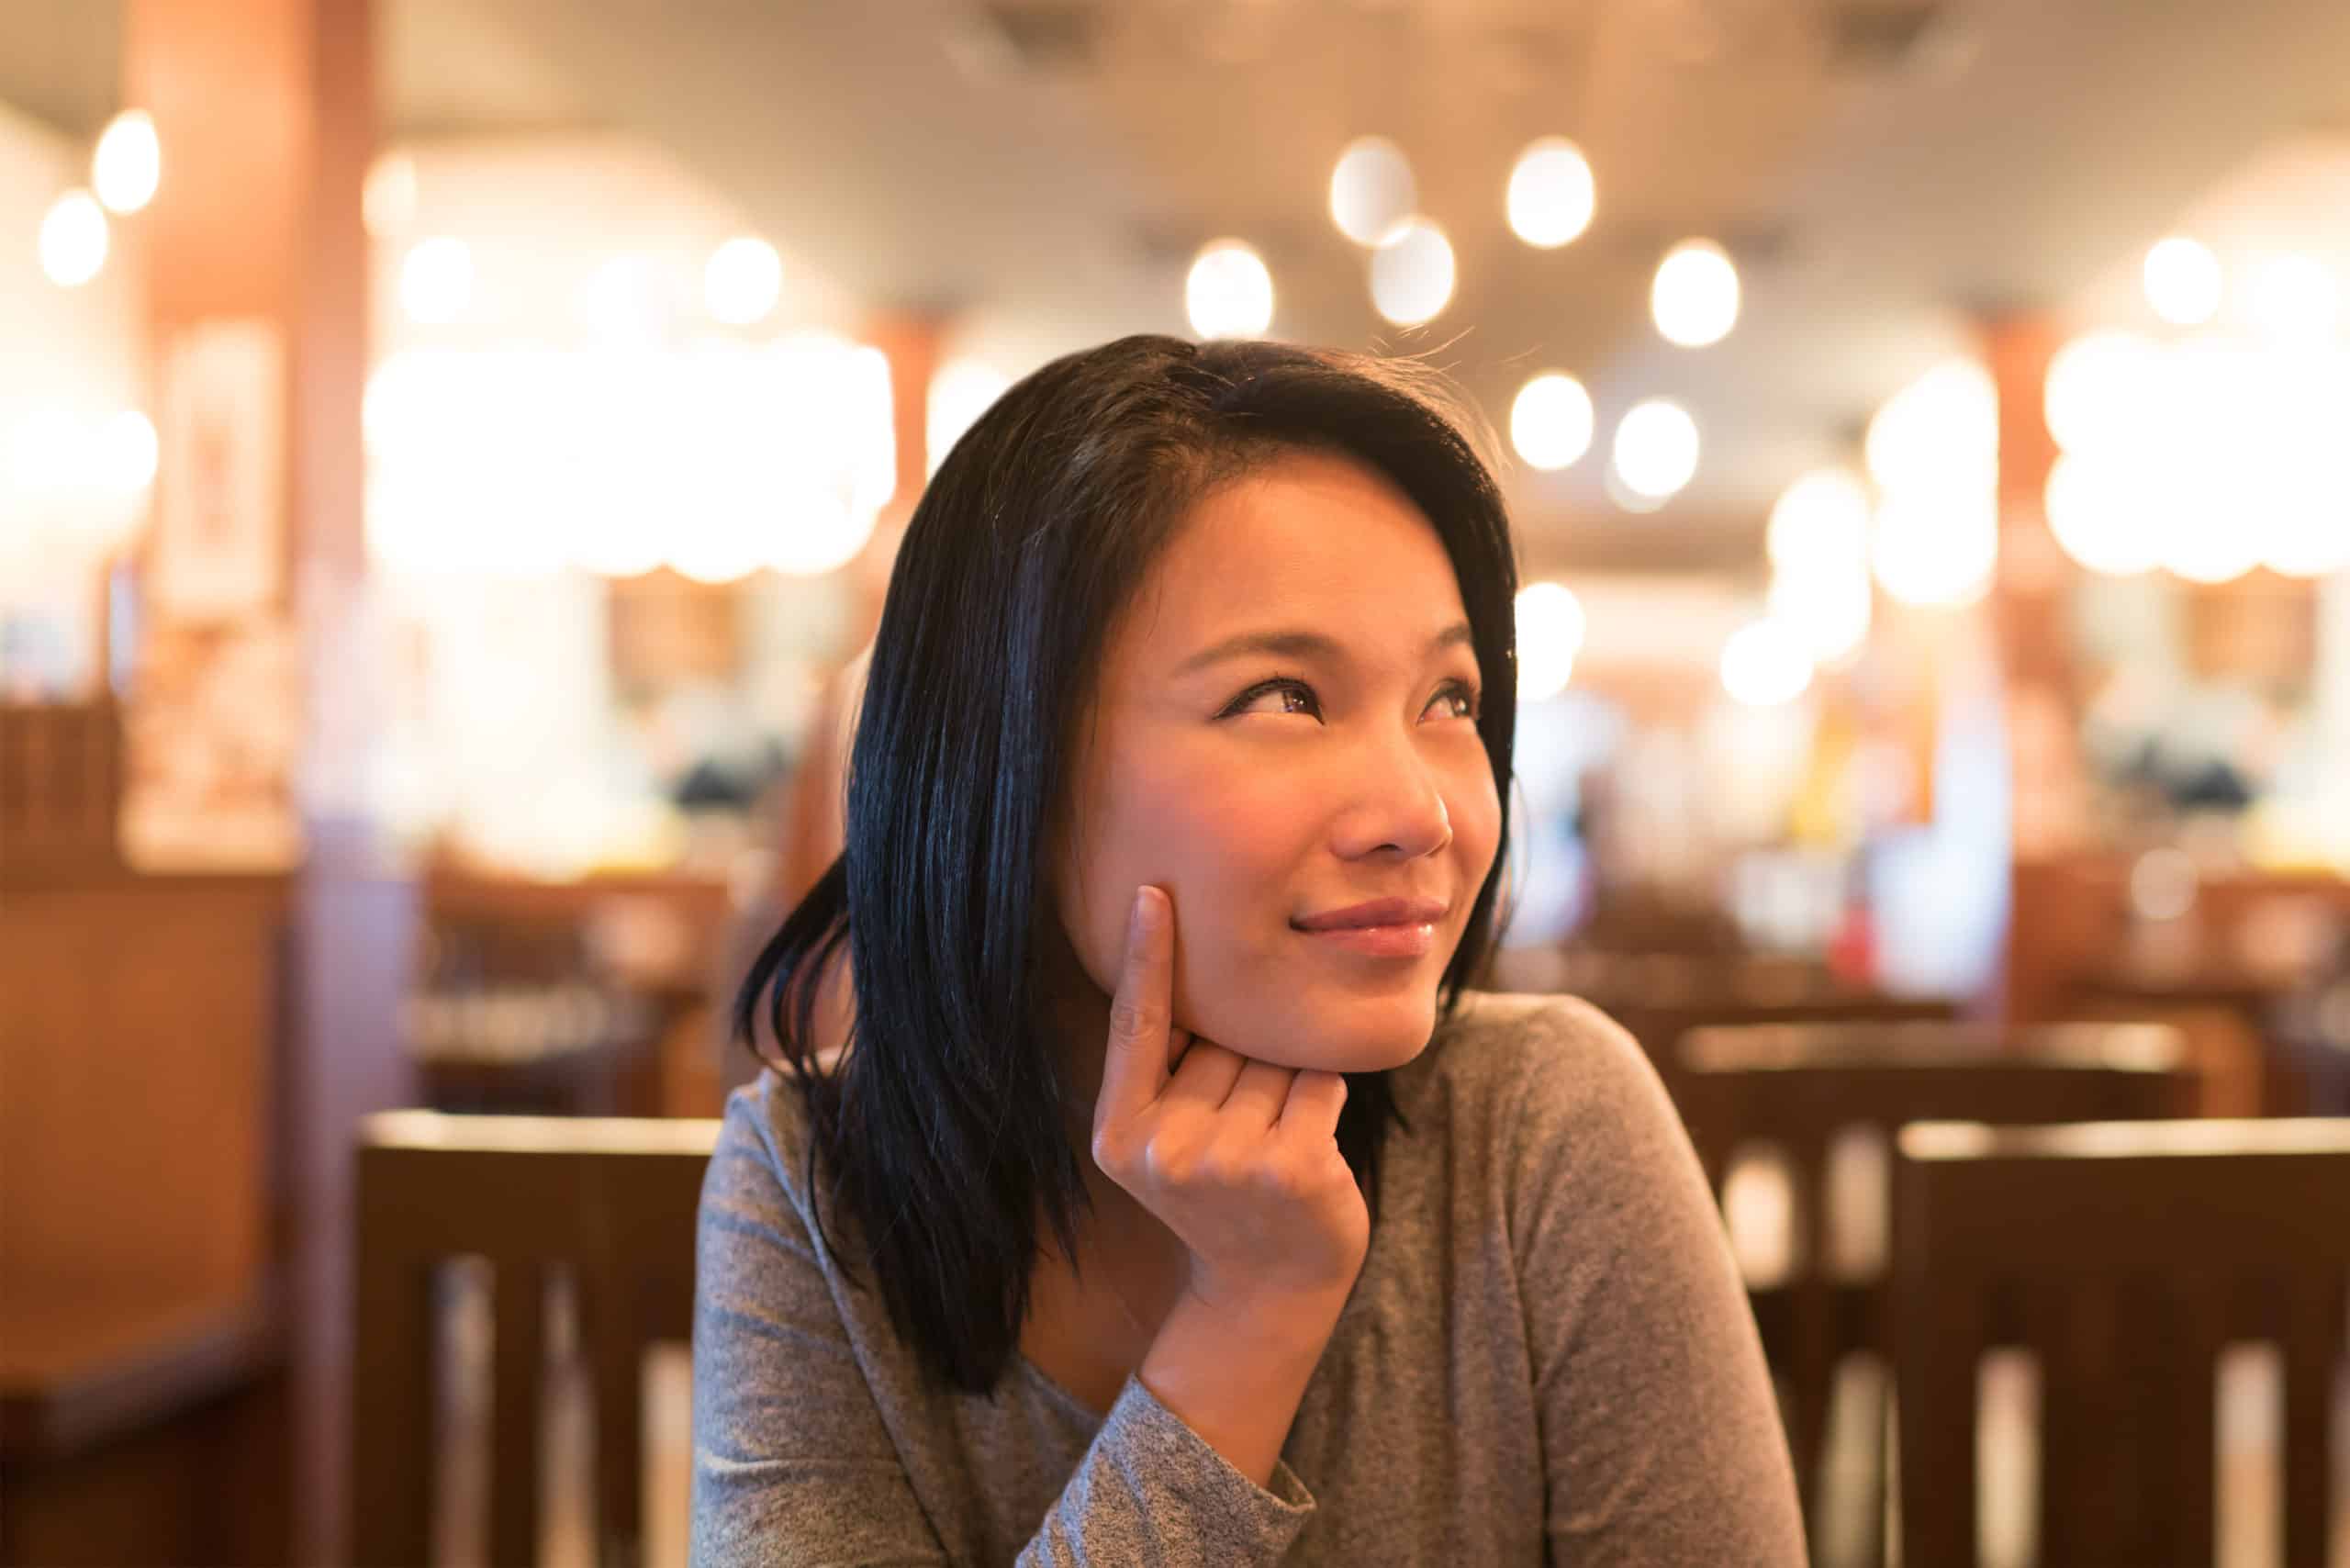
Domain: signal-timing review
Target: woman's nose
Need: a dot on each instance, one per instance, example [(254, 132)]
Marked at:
[(1398, 808)]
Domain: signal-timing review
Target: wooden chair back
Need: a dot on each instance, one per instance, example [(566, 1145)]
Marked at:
[(2125, 1256), (607, 1202), (1661, 1013), (1799, 1088)]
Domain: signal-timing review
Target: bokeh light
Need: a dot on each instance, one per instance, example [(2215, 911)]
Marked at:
[(1764, 665), (2103, 390), (742, 280), (387, 201), (1550, 628), (1935, 547), (437, 281), (1550, 420), (2183, 282), (1551, 195), (960, 391), (1229, 292), (128, 162), (1656, 449), (1696, 295), (1412, 273), (2107, 513), (73, 240), (2294, 297), (1371, 189)]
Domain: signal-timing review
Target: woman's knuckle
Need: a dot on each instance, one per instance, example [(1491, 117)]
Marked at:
[(1131, 1018)]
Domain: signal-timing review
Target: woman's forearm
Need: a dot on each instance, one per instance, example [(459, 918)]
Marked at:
[(1235, 1371)]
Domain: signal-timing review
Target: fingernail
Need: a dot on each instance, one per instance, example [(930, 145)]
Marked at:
[(1144, 919)]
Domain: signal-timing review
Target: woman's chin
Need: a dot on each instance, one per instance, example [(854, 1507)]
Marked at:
[(1346, 1036)]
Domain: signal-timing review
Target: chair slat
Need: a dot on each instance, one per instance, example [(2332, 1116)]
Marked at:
[(1940, 1338), (392, 1382), (615, 1351), (1814, 1348), (518, 1380), (2312, 1344), (2190, 1331), (2132, 1242), (1800, 1086), (608, 1203)]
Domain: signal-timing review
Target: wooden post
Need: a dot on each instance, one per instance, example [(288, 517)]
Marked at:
[(264, 110), (2031, 625)]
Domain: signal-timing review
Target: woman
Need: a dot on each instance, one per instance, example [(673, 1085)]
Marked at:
[(1174, 1203)]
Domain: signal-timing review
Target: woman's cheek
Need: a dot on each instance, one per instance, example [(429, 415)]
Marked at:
[(1476, 808)]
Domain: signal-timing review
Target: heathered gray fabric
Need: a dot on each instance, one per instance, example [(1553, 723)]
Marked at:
[(1548, 1357)]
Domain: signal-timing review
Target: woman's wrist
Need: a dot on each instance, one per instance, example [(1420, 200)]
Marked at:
[(1234, 1369)]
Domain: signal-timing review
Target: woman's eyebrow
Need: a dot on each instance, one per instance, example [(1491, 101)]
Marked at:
[(1304, 644)]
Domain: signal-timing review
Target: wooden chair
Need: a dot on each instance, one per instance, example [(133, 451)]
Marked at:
[(608, 1203), (1801, 1087), (2125, 1255)]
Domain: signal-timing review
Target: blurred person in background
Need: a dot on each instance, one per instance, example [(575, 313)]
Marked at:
[(1172, 1199)]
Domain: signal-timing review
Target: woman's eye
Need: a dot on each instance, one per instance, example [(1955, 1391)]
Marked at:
[(1293, 696), (1460, 697)]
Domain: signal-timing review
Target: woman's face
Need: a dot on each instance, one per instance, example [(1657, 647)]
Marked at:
[(1285, 730)]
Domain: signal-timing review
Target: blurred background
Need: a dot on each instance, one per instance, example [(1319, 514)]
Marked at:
[(451, 457)]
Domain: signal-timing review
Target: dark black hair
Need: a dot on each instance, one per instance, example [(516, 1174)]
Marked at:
[(940, 1133)]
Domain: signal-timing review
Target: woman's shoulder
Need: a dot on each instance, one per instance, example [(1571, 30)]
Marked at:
[(1538, 1074), (765, 1134), (1509, 1043)]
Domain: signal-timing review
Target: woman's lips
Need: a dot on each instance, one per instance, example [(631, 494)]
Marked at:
[(1406, 941), (1377, 911), (1379, 928)]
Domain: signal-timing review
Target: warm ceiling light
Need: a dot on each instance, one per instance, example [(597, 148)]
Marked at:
[(1695, 298), (1551, 193), (1827, 611), (2212, 550), (960, 392), (1228, 293), (128, 162), (741, 281), (1764, 665), (1942, 431), (1820, 521), (1371, 189), (1412, 273), (387, 201), (437, 281), (73, 240), (128, 450), (2105, 513), (1550, 625), (2295, 298), (1656, 449), (2183, 282), (2103, 391), (1935, 547), (1550, 421)]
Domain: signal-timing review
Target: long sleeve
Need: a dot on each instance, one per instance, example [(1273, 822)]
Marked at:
[(794, 1462), (1661, 1438)]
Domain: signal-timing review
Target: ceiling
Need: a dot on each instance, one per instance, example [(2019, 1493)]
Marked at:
[(1881, 169)]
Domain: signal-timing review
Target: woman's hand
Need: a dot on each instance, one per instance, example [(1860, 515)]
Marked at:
[(1239, 1158)]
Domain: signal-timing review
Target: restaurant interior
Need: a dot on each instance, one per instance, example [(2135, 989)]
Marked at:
[(451, 457)]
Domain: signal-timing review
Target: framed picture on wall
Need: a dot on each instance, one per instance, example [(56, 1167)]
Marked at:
[(220, 523)]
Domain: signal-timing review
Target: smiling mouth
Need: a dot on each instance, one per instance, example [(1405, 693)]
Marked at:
[(1376, 913), (1408, 939)]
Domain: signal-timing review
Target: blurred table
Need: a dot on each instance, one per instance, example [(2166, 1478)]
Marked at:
[(1660, 997), (2236, 1024), (584, 996)]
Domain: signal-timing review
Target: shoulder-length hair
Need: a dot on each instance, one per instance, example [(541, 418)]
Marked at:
[(940, 1132)]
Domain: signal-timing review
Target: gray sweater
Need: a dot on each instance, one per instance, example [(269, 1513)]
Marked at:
[(1547, 1357)]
